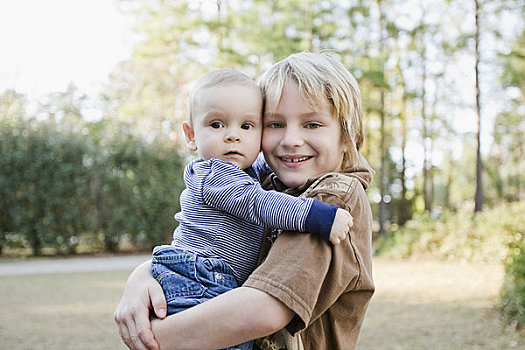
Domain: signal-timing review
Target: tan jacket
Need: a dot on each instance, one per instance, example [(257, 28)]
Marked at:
[(328, 287)]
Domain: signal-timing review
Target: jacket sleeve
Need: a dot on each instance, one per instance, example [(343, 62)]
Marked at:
[(308, 275)]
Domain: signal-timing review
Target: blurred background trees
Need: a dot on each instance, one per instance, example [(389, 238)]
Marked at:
[(69, 180)]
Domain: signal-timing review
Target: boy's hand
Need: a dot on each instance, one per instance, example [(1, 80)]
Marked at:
[(343, 222), (141, 294)]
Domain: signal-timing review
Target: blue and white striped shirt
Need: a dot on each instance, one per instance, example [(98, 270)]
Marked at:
[(224, 211)]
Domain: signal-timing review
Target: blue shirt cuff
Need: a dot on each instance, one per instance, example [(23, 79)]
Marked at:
[(320, 218)]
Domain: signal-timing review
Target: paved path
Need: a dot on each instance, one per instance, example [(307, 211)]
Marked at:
[(74, 264)]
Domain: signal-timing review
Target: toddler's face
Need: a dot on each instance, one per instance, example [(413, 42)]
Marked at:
[(299, 142), (227, 125)]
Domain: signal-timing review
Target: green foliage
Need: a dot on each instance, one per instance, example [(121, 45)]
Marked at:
[(514, 64), (506, 169), (56, 187), (457, 235), (40, 186), (135, 189), (513, 290)]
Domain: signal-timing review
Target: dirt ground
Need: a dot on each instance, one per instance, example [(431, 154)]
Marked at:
[(426, 305), (435, 305)]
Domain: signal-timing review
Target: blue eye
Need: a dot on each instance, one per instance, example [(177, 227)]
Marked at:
[(313, 125), (275, 125)]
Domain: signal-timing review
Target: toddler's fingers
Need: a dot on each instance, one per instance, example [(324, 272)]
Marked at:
[(342, 235)]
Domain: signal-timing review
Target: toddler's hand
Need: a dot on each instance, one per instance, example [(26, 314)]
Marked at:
[(343, 222)]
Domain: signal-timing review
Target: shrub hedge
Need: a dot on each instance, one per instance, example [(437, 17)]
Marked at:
[(513, 290), (62, 189)]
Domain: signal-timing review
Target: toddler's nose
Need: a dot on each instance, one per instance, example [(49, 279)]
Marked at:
[(232, 138)]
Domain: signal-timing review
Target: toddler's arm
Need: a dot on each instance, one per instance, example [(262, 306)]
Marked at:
[(260, 167), (230, 189)]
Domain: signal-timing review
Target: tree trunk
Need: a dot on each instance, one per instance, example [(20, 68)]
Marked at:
[(478, 206), (35, 242), (450, 177), (426, 170), (382, 175), (519, 173), (404, 208)]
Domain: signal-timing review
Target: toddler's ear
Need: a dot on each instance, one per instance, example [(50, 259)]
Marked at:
[(189, 134)]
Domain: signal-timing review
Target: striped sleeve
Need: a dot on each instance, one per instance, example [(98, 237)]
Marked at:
[(260, 167), (230, 189)]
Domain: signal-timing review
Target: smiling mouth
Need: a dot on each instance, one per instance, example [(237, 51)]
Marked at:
[(294, 160)]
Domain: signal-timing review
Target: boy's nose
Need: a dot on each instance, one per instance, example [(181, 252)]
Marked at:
[(291, 138)]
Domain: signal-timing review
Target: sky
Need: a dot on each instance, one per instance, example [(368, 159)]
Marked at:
[(45, 45)]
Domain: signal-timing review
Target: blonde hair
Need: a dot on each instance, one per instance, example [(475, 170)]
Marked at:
[(322, 79), (219, 77)]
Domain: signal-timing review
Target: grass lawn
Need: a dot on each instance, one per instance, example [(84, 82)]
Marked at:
[(418, 305), (61, 311)]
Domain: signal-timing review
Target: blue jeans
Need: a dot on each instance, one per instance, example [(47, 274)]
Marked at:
[(188, 279)]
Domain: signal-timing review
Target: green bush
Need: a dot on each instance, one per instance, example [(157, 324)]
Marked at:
[(58, 186), (457, 236), (513, 289)]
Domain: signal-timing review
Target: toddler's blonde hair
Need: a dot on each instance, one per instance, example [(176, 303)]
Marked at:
[(219, 77), (322, 79)]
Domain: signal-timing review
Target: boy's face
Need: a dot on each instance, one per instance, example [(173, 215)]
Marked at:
[(227, 125), (300, 142)]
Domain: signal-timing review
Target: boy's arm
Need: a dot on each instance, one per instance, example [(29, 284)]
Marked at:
[(235, 309), (230, 189)]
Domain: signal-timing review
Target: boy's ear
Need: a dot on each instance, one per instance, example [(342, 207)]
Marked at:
[(189, 135)]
